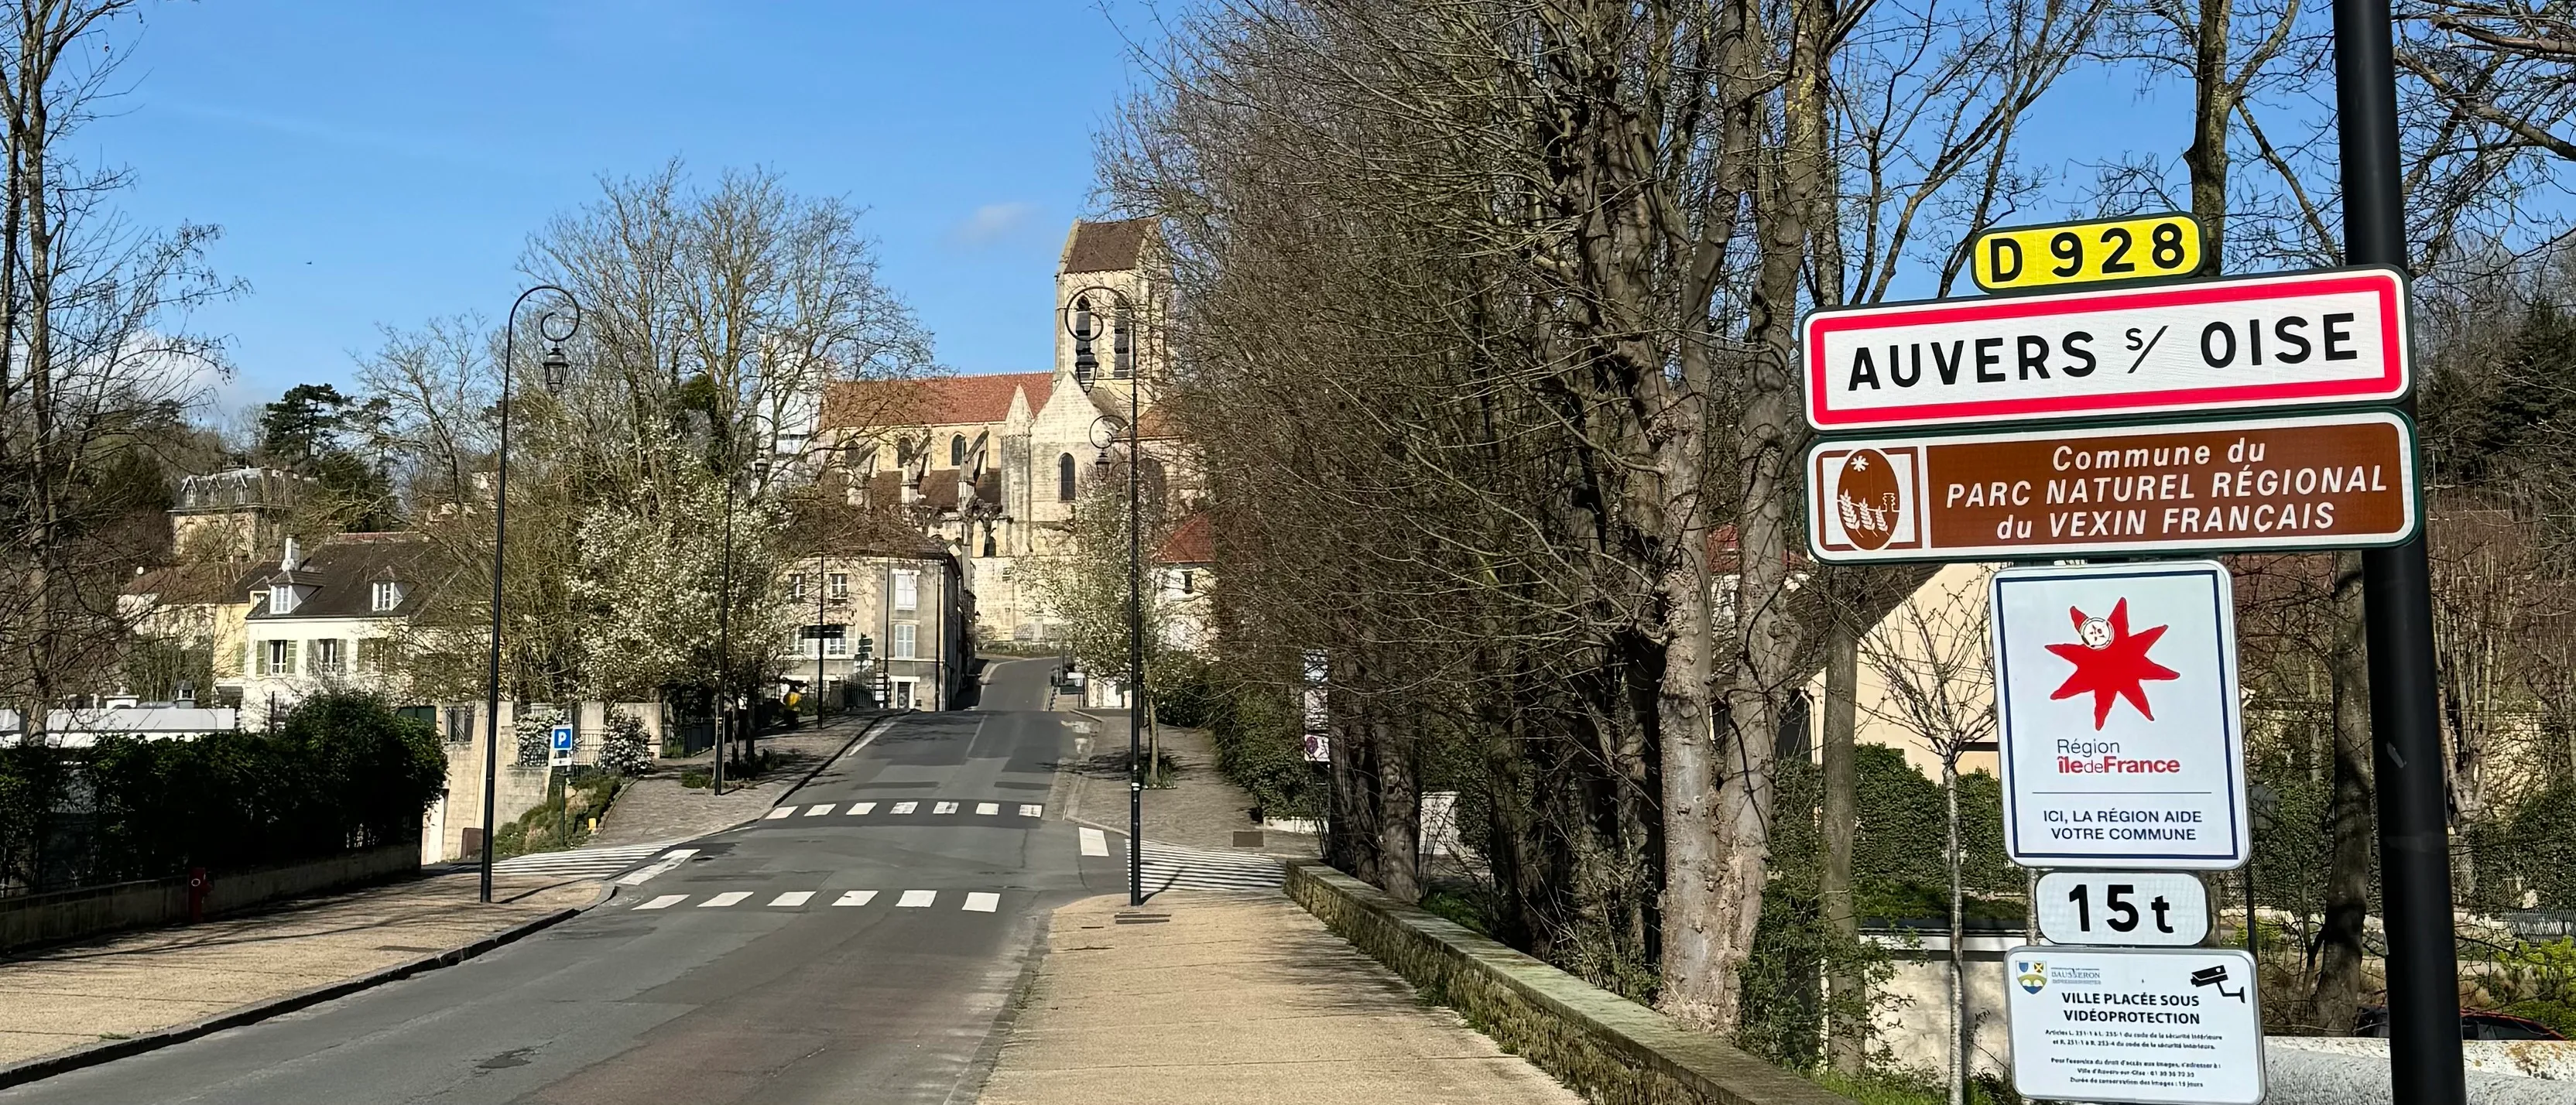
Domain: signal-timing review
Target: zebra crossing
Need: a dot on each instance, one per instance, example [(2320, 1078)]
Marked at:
[(580, 863), (972, 901), (1173, 867), (938, 808)]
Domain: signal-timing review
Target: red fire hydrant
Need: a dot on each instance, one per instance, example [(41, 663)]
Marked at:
[(198, 885)]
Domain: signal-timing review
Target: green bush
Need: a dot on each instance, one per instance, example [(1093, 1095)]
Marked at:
[(567, 810), (342, 771)]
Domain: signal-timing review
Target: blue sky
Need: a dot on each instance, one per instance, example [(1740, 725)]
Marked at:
[(380, 164)]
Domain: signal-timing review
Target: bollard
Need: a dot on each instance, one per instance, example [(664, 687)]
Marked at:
[(199, 883)]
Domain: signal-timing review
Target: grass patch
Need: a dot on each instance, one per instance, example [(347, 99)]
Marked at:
[(564, 820)]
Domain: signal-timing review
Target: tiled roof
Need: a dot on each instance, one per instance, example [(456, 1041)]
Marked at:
[(343, 569), (189, 584), (1106, 247), (1158, 425), (1193, 543), (948, 400)]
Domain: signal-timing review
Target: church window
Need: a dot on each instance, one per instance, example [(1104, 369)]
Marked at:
[(1084, 362), (957, 451), (1064, 478), (1123, 348)]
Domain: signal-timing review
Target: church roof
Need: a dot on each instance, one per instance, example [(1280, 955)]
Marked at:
[(944, 401), (1106, 247)]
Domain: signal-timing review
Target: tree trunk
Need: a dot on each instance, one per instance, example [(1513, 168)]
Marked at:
[(2348, 816), (1399, 814), (1847, 1045), (2213, 98), (1960, 1028)]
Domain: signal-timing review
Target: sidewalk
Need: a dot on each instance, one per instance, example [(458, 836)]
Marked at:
[(1201, 809), (656, 807), (1240, 999), (138, 983)]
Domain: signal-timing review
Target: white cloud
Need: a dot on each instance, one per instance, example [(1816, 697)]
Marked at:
[(992, 222)]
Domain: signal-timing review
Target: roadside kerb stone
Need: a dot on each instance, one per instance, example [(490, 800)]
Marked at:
[(1605, 1046)]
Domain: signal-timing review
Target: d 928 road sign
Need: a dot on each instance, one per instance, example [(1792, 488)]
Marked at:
[(2331, 481), (2336, 336), (2099, 251)]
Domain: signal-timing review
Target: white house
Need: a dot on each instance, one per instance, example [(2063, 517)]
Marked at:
[(324, 619)]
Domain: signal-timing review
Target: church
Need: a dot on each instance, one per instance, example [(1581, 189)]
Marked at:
[(994, 466)]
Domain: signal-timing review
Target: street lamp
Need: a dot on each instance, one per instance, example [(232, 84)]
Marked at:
[(556, 367), (1079, 322)]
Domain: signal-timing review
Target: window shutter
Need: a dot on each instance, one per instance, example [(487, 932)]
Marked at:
[(291, 649), (254, 659)]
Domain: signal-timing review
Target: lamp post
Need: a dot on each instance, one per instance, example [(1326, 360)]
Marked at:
[(556, 365), (1079, 322)]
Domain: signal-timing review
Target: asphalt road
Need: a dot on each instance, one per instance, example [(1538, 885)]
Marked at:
[(842, 996)]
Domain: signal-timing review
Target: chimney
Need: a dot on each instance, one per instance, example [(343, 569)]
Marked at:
[(292, 558)]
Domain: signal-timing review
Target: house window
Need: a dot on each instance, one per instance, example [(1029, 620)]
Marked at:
[(1188, 584), (837, 644), (280, 659), (906, 644), (907, 590), (840, 586), (384, 596), (957, 451), (796, 587), (1064, 478), (326, 657)]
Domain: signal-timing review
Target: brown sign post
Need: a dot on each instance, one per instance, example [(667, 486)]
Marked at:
[(2334, 481)]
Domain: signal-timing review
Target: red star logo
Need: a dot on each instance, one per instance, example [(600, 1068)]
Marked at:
[(2111, 662)]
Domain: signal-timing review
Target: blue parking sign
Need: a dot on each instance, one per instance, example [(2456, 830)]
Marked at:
[(563, 744)]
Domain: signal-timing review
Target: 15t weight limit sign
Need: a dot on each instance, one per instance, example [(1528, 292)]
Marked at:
[(2296, 339)]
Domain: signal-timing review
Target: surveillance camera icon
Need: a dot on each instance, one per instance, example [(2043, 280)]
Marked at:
[(2216, 977)]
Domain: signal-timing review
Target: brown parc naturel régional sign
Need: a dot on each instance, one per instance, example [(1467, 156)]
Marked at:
[(2316, 482)]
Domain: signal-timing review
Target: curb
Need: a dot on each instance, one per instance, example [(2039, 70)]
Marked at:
[(110, 1050)]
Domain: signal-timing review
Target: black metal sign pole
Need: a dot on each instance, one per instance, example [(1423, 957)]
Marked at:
[(2414, 846)]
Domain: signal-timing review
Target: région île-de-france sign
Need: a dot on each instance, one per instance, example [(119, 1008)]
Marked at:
[(2343, 480), (2290, 339), (2116, 710), (2135, 1025)]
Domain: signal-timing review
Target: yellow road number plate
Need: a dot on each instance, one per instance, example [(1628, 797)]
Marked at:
[(2021, 258)]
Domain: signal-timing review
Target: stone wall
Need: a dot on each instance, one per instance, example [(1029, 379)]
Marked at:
[(92, 911), (1606, 1047)]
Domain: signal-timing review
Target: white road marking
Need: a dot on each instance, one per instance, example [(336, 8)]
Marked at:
[(981, 902), (863, 809), (669, 860), (1095, 842), (916, 899), (906, 807), (666, 901), (1028, 810), (725, 899), (819, 811), (782, 811), (987, 809), (856, 897), (791, 898), (944, 807)]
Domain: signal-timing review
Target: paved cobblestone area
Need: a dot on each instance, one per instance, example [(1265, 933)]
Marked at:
[(657, 808), (1200, 809)]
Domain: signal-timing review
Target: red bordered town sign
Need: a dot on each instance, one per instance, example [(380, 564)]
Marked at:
[(2335, 336)]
